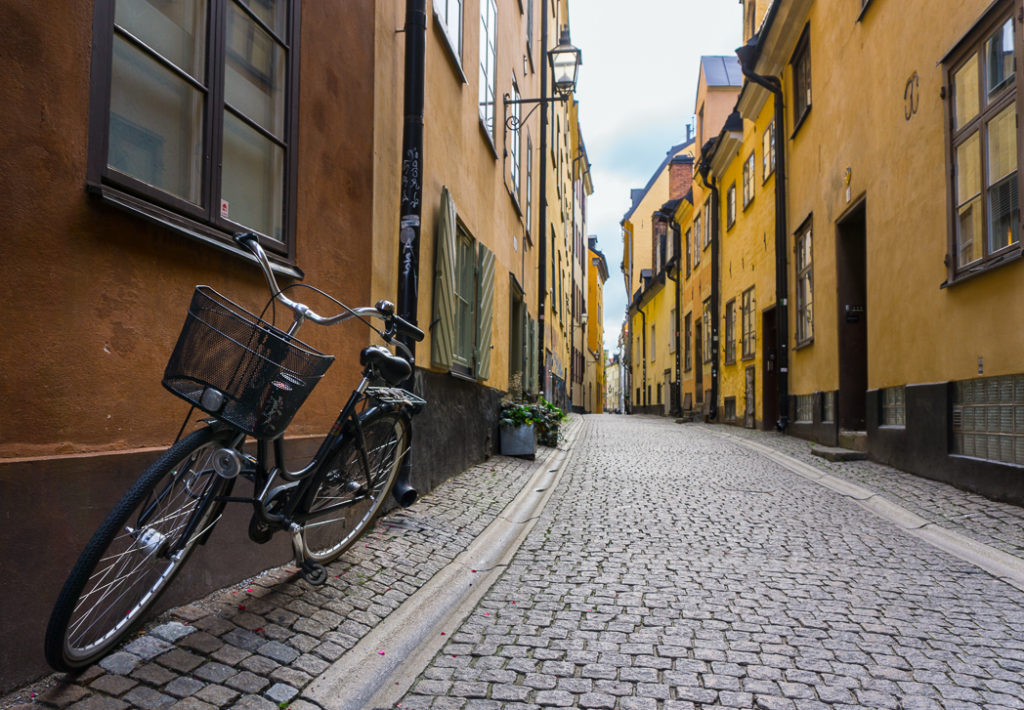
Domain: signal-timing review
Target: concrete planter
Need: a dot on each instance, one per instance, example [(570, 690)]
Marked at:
[(518, 441)]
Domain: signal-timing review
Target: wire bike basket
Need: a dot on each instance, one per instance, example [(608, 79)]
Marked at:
[(239, 368)]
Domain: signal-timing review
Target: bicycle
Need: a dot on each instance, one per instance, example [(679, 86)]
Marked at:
[(250, 378)]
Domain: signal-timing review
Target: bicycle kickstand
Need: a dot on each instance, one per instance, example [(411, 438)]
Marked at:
[(313, 572)]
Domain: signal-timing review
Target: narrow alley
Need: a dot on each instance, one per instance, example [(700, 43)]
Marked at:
[(672, 567)]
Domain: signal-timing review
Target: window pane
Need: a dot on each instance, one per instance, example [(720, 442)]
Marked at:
[(155, 124), (968, 169), (272, 13), (1002, 144), (999, 56), (254, 72), (965, 93), (252, 181), (174, 28), (968, 232), (1003, 214)]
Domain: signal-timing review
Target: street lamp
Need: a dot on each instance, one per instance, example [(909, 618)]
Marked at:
[(565, 60)]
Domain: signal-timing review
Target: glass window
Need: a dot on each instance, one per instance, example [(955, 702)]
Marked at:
[(513, 148), (768, 152), (802, 80), (730, 332), (465, 300), (169, 111), (706, 355), (488, 62), (450, 14), (749, 324), (804, 286), (748, 180), (730, 206), (707, 222), (696, 240), (687, 343), (985, 149)]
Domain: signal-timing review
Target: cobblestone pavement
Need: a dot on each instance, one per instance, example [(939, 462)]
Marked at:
[(676, 569), (259, 643), (999, 525)]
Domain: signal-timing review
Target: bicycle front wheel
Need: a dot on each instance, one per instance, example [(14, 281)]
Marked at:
[(136, 552), (349, 495)]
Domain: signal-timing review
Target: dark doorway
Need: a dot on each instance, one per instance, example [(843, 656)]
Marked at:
[(851, 267), (770, 374), (698, 363)]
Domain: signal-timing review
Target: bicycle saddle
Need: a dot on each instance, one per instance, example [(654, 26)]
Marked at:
[(392, 368)]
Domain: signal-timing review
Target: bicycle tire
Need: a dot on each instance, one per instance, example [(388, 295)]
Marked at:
[(344, 483), (124, 567)]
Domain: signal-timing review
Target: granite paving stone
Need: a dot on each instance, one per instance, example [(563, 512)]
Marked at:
[(683, 569)]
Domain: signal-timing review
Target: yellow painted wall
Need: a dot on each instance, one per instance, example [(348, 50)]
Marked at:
[(747, 259), (459, 154), (918, 332)]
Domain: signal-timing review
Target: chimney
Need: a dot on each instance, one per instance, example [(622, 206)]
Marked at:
[(680, 176)]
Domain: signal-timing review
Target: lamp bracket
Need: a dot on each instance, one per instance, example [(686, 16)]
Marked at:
[(513, 123)]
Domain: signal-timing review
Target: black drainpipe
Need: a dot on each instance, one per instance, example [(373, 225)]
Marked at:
[(677, 279), (746, 55), (542, 207), (705, 169), (643, 354), (412, 165)]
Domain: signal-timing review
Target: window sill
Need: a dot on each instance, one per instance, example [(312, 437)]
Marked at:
[(186, 227), (460, 372), (449, 49), (800, 122), (863, 10), (748, 358), (804, 344), (488, 137), (1012, 254)]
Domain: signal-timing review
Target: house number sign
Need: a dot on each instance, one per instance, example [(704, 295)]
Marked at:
[(911, 96)]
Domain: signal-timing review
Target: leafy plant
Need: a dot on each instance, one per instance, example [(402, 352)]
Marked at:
[(514, 414), (548, 419)]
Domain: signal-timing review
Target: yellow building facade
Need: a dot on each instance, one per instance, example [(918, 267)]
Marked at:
[(742, 166), (898, 230), (594, 379), (648, 258)]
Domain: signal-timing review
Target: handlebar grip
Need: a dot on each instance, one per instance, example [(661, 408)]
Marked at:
[(406, 328), (245, 240)]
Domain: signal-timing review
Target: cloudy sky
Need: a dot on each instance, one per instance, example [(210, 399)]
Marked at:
[(637, 88)]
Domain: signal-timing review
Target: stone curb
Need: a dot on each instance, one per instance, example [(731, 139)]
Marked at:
[(1004, 566), (382, 667)]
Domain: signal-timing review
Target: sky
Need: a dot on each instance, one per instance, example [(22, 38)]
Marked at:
[(637, 87)]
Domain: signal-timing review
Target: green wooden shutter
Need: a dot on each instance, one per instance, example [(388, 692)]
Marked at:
[(484, 311), (442, 324)]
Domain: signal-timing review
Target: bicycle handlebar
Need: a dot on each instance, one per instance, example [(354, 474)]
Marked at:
[(384, 310)]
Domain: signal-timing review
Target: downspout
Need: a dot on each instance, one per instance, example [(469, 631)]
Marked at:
[(676, 249), (542, 207), (412, 165), (410, 210), (747, 58), (643, 354), (716, 288)]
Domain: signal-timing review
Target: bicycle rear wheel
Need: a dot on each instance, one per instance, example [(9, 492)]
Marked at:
[(136, 552), (349, 495)]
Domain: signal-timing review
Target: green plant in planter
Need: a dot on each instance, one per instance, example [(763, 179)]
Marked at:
[(513, 414), (547, 421)]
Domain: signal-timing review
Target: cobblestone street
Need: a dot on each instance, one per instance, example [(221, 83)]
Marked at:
[(673, 567)]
